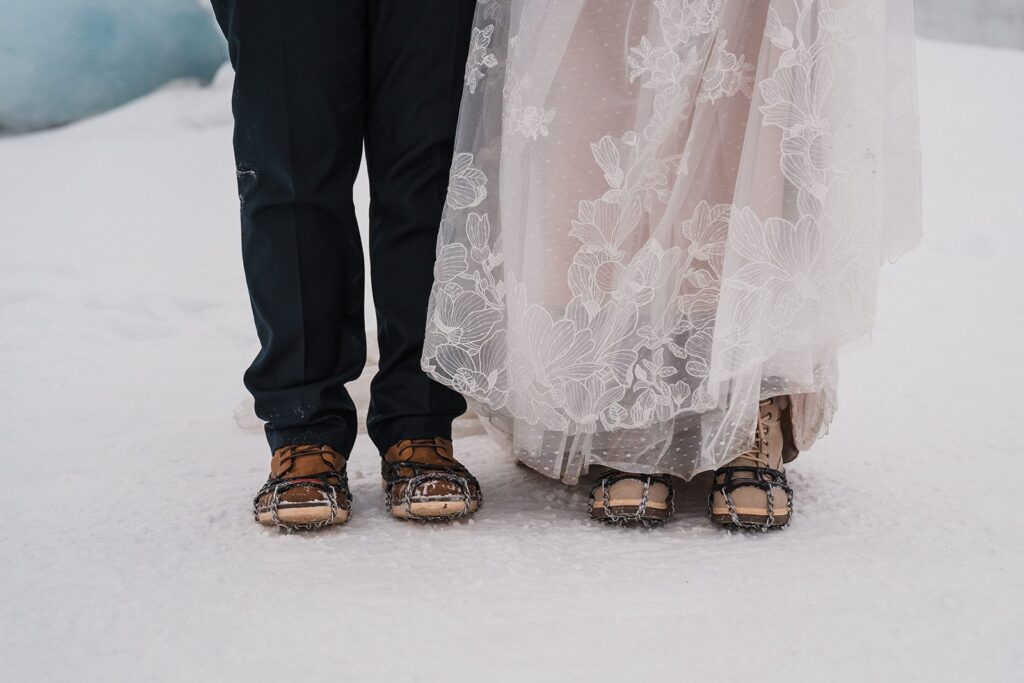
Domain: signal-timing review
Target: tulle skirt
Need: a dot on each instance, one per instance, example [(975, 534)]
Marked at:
[(660, 212)]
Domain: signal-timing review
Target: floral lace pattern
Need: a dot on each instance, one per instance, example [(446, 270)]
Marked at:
[(531, 121), (722, 243), (479, 58)]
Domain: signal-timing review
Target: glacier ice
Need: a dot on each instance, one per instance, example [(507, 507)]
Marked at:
[(61, 60)]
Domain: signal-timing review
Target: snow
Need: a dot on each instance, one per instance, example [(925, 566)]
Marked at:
[(126, 545), (999, 23), (61, 60)]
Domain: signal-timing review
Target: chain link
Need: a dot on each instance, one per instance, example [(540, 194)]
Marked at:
[(275, 487), (469, 488), (640, 515)]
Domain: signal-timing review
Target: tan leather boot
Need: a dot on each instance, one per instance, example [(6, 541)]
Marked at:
[(751, 491), (623, 498), (424, 481), (307, 489)]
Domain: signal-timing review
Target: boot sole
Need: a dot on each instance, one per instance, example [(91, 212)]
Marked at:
[(434, 509), (747, 516), (300, 515)]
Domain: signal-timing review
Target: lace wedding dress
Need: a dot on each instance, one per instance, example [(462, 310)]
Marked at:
[(663, 211)]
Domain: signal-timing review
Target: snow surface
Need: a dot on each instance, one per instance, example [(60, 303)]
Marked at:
[(126, 546)]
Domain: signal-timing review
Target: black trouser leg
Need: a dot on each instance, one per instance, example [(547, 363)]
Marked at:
[(417, 60), (310, 77), (299, 105)]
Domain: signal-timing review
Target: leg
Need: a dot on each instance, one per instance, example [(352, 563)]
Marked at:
[(299, 109), (417, 61)]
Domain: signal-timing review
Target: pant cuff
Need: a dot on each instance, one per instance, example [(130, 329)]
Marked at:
[(338, 437), (387, 433)]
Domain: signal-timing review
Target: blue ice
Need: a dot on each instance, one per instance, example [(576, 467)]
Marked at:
[(61, 60)]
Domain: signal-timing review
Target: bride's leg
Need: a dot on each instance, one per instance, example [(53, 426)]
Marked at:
[(586, 118), (564, 171)]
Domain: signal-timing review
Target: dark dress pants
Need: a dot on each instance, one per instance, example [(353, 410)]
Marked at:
[(315, 82)]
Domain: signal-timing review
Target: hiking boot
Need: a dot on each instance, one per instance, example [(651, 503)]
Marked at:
[(624, 498), (751, 492), (307, 489), (423, 481)]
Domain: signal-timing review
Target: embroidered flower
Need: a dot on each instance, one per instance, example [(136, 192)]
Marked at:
[(467, 186), (462, 317), (727, 75), (479, 57)]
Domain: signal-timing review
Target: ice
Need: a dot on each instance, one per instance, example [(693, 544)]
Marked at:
[(61, 60), (127, 548)]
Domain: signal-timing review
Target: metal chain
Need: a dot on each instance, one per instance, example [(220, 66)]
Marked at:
[(275, 487), (764, 478), (640, 514), (457, 475)]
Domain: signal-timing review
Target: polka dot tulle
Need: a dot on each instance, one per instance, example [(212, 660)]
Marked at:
[(661, 212)]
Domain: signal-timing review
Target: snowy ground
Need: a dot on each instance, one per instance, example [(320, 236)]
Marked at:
[(126, 546)]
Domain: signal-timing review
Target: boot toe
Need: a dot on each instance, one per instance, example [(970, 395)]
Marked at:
[(435, 499), (302, 506), (627, 501), (751, 505)]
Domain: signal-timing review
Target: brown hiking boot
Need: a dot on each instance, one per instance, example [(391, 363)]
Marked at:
[(751, 491), (307, 489), (623, 498), (423, 481)]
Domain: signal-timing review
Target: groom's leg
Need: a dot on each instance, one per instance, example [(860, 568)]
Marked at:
[(299, 109), (417, 59)]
